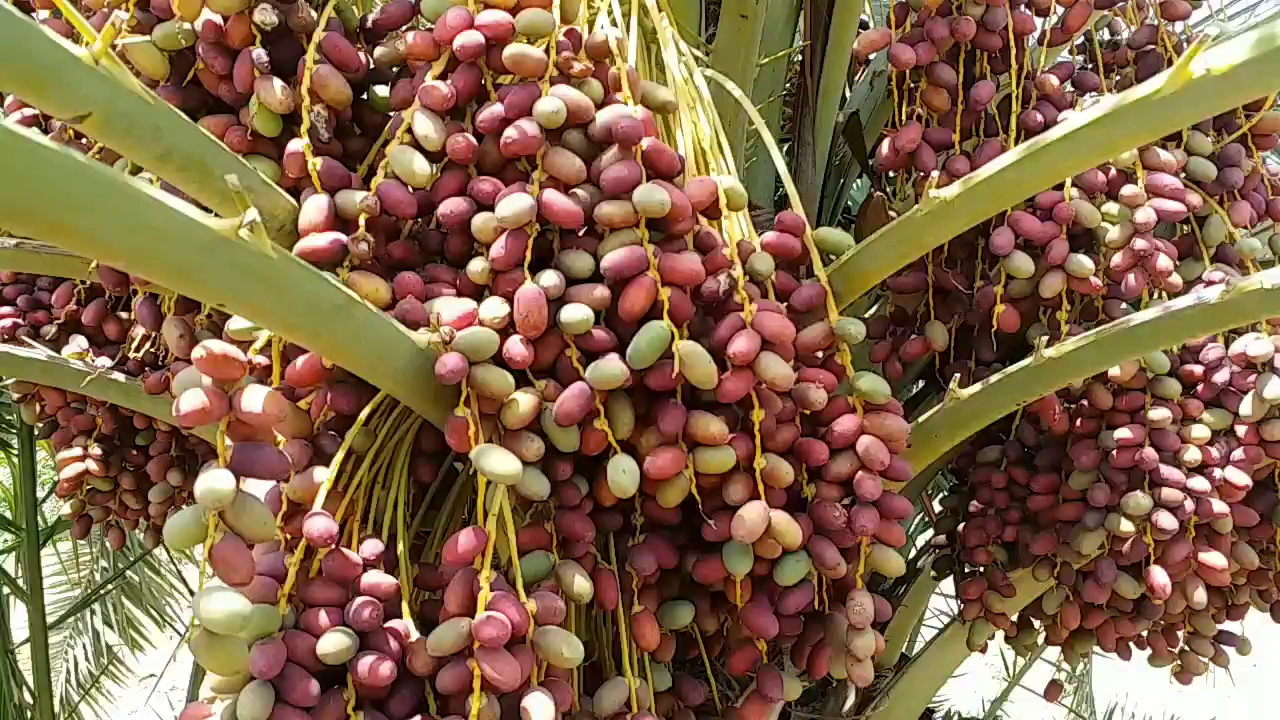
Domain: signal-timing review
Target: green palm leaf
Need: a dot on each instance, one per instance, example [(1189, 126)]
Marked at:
[(105, 609), (92, 651), (8, 425)]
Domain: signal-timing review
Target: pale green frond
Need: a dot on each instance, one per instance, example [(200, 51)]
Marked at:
[(15, 688), (8, 426), (343, 328), (1122, 710), (105, 608)]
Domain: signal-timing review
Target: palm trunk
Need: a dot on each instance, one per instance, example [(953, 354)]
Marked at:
[(33, 573)]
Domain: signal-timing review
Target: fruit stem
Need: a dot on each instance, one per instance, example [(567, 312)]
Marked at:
[(403, 539), (19, 255), (906, 617), (706, 662), (1204, 312), (295, 561), (450, 518), (86, 207), (421, 515), (623, 642), (912, 689), (43, 367), (137, 124), (304, 93), (794, 202), (486, 573), (842, 31), (1228, 74), (777, 46)]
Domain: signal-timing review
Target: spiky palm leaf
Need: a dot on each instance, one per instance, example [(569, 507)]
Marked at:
[(948, 714), (113, 606), (10, 517), (104, 608), (8, 429), (15, 690), (1120, 710), (1079, 687)]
